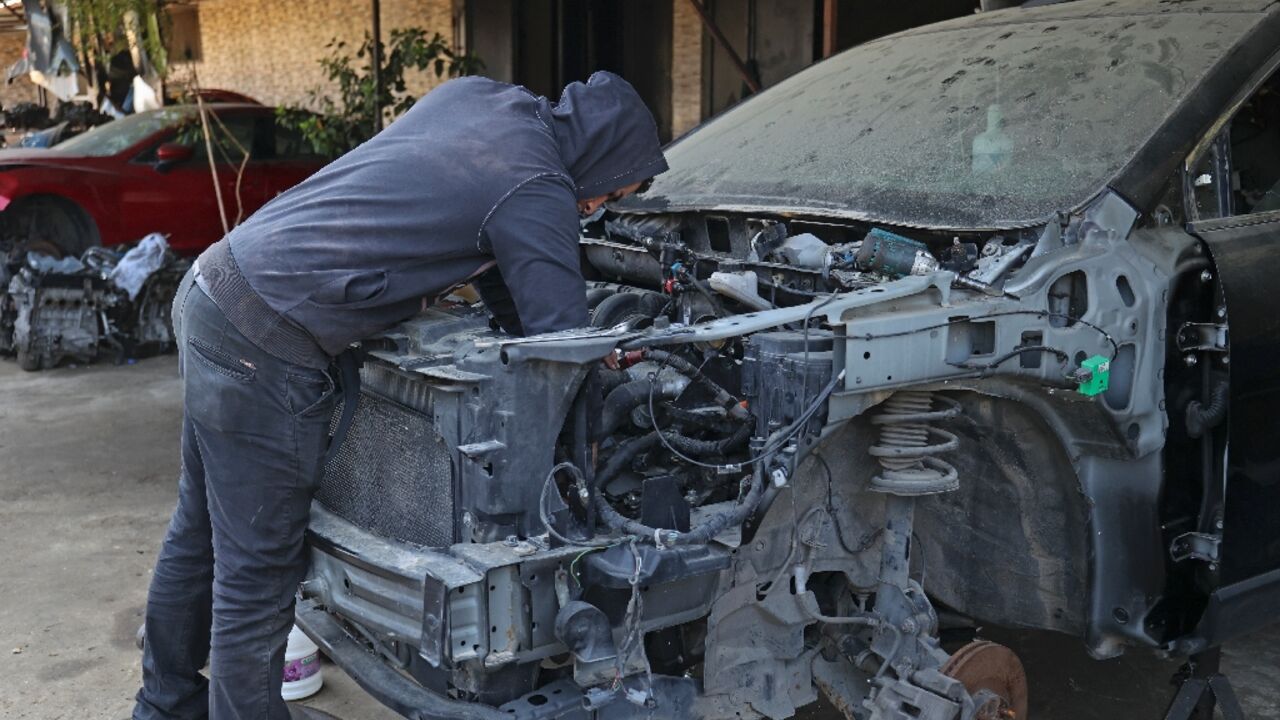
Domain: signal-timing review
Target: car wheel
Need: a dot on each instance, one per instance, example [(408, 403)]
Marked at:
[(50, 225)]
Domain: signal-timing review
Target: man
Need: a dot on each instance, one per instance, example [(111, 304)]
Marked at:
[(479, 181)]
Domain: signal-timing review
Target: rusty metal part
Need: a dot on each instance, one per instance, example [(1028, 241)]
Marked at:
[(983, 665)]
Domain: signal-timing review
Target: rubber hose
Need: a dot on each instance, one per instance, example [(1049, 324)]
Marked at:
[(699, 535), (621, 457), (693, 446), (689, 370), (1205, 417), (626, 397)]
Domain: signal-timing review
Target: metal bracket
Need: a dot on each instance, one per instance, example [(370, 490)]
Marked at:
[(1195, 546), (1200, 688), (1209, 337)]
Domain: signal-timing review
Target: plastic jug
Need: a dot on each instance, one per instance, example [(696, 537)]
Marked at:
[(302, 677)]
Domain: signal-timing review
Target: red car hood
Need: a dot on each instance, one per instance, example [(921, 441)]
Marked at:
[(45, 156)]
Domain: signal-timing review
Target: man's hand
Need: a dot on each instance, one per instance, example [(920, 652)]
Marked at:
[(611, 360)]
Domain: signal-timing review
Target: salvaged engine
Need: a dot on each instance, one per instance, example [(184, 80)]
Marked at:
[(734, 490), (114, 301)]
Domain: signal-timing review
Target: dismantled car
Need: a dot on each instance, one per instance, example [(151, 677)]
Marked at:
[(971, 318)]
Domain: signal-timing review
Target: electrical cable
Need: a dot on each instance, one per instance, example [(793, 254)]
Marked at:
[(1115, 347), (1061, 355), (770, 447), (546, 520)]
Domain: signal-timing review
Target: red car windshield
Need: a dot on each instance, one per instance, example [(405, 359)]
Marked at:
[(119, 135)]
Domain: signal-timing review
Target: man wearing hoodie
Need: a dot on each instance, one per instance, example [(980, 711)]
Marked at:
[(480, 181)]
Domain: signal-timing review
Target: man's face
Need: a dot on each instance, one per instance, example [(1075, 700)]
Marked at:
[(590, 205)]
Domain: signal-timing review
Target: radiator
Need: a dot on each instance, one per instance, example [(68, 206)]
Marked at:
[(392, 475)]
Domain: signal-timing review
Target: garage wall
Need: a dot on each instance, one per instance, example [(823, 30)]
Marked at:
[(271, 50), (686, 68)]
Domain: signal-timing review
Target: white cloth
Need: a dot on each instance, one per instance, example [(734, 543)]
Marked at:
[(131, 273)]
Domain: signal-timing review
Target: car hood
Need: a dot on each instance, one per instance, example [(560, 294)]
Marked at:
[(49, 157)]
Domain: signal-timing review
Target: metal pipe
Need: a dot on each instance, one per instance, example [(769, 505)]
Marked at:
[(376, 58), (830, 8)]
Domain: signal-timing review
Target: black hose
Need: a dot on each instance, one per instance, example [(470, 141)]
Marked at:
[(618, 461), (691, 371), (699, 535), (627, 397), (693, 446), (1206, 417)]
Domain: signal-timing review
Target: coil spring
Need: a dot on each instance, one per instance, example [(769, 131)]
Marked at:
[(909, 445)]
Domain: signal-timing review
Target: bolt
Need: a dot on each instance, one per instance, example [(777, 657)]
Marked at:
[(1205, 276), (908, 626), (1190, 360), (1213, 567), (1226, 359), (467, 519), (1218, 524), (511, 541), (1222, 311), (759, 546)]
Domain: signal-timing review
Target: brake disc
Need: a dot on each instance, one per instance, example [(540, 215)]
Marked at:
[(995, 669)]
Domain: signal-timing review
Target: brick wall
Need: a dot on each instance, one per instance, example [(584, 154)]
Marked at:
[(686, 65), (22, 89), (270, 50)]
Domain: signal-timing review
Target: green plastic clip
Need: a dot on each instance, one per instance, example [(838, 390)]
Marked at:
[(1095, 376)]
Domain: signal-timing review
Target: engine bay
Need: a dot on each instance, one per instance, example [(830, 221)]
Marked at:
[(723, 496)]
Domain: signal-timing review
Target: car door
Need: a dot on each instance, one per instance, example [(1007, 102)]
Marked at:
[(287, 159), (180, 200), (1232, 192)]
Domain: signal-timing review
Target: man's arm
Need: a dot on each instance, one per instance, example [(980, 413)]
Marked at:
[(497, 299), (534, 237)]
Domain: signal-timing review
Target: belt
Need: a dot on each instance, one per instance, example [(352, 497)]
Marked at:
[(220, 278), (275, 334)]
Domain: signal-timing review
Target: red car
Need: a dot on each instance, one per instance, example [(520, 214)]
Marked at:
[(147, 173)]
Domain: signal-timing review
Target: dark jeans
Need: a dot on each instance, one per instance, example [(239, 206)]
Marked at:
[(254, 433)]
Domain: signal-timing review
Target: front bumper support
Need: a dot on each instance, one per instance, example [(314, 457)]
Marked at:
[(378, 679)]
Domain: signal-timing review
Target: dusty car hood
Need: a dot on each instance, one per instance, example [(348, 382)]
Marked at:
[(988, 123)]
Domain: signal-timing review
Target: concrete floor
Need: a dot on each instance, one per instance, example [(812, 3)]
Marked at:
[(88, 464)]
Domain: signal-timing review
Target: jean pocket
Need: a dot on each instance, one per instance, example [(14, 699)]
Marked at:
[(221, 362), (308, 391)]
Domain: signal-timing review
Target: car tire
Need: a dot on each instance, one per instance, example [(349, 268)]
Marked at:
[(51, 225)]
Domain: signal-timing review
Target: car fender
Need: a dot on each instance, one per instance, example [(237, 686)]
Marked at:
[(90, 189)]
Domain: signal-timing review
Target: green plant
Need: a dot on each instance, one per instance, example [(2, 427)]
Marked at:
[(336, 123), (102, 28)]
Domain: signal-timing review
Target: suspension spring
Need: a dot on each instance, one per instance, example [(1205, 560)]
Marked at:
[(909, 445)]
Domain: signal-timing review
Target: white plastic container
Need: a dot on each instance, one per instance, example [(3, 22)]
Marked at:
[(302, 677)]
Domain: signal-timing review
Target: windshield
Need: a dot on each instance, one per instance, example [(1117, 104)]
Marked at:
[(952, 127), (120, 135)]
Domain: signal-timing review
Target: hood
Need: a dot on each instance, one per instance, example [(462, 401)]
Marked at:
[(46, 157), (607, 136)]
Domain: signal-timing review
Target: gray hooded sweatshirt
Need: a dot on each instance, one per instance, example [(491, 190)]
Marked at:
[(479, 180)]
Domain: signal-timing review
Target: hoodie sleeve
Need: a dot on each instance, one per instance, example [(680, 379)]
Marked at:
[(533, 234)]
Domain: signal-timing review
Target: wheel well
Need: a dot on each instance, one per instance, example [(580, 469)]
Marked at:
[(15, 225)]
